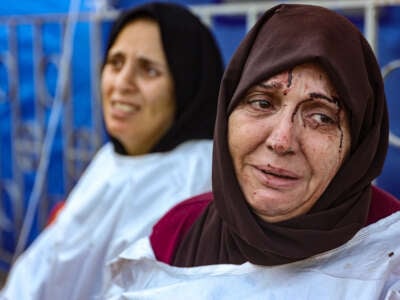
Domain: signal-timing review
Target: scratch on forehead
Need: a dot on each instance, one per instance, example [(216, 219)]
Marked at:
[(279, 81), (290, 77), (274, 82)]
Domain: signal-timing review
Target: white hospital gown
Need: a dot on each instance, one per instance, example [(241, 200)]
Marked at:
[(116, 202), (365, 268)]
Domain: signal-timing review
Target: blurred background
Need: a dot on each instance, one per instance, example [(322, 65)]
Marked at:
[(50, 117)]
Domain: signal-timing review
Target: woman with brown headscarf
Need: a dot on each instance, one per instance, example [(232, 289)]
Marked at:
[(301, 133), (159, 89)]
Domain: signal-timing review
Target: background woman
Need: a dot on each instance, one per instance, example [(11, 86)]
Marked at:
[(159, 86), (301, 132)]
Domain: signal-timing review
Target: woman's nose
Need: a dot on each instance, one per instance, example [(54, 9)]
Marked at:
[(125, 80), (282, 137)]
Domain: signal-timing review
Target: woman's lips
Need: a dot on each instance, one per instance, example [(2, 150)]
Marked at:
[(123, 109), (276, 178)]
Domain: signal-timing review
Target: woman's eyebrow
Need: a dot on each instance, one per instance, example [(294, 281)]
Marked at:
[(114, 52), (146, 61), (271, 85), (149, 61), (334, 100)]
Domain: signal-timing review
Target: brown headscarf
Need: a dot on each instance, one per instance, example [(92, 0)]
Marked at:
[(284, 37)]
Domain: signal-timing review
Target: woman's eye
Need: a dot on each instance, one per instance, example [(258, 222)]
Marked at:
[(115, 63), (260, 104), (152, 72), (148, 71), (324, 119)]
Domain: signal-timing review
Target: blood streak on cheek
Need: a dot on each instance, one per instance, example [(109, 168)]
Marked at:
[(340, 129), (337, 102), (339, 111)]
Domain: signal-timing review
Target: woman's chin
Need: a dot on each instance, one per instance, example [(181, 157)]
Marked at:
[(275, 205)]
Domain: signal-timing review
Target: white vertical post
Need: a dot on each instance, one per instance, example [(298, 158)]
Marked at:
[(251, 18), (371, 25)]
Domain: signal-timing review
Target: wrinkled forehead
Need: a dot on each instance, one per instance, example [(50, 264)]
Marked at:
[(305, 74), (308, 77), (293, 36)]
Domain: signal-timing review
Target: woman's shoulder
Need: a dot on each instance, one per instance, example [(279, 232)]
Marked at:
[(103, 158), (195, 147), (383, 204), (170, 229)]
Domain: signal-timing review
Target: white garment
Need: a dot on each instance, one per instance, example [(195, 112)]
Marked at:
[(365, 268), (117, 201)]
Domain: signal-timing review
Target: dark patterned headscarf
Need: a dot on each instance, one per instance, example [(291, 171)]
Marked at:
[(196, 66), (284, 37)]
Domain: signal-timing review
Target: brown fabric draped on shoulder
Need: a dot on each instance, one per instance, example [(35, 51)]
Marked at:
[(286, 36)]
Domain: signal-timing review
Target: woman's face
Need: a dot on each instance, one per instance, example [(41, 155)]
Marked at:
[(137, 88), (288, 137)]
